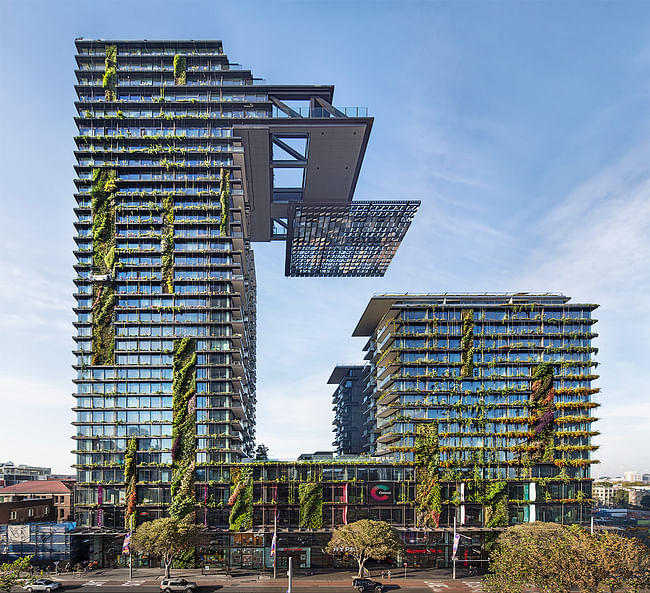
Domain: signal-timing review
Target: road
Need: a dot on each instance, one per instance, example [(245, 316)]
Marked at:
[(280, 586)]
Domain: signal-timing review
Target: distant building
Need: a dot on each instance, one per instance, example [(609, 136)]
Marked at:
[(32, 510), (348, 404), (636, 495), (57, 491), (13, 474), (633, 477), (604, 494)]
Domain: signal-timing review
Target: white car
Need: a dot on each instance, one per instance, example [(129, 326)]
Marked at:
[(42, 585)]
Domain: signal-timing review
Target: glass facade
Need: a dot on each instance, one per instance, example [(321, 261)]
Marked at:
[(162, 257)]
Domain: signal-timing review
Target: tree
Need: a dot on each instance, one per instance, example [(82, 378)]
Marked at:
[(10, 573), (621, 498), (168, 538), (262, 452), (365, 539), (558, 559)]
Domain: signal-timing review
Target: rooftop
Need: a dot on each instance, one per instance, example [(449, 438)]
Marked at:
[(36, 487)]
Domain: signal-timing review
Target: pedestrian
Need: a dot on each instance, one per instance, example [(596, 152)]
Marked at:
[(389, 574), (67, 567), (383, 574)]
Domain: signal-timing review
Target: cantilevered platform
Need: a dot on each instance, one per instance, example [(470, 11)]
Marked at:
[(348, 239), (320, 148)]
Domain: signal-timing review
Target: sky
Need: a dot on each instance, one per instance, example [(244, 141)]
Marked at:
[(522, 126)]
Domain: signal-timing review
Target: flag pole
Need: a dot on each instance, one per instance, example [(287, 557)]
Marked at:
[(275, 542)]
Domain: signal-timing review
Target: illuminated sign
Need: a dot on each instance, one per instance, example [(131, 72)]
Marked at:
[(380, 493)]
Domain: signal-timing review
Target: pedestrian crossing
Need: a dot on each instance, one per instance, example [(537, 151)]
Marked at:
[(102, 583), (440, 587)]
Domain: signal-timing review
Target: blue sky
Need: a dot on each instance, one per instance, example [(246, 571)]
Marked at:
[(521, 126)]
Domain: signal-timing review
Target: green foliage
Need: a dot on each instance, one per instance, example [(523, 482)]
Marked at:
[(168, 538), (224, 197), (241, 498), (262, 452), (130, 478), (542, 407), (109, 82), (310, 495), (10, 573), (179, 70), (427, 489), (558, 559), (183, 429), (365, 540), (467, 344), (496, 509), (168, 245)]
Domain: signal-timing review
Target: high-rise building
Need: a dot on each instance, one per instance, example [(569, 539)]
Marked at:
[(348, 406), (183, 160), (485, 387)]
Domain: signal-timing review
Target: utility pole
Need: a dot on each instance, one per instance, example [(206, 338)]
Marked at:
[(453, 556), (131, 549)]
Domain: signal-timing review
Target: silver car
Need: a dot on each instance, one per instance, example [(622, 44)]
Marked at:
[(42, 585), (175, 585)]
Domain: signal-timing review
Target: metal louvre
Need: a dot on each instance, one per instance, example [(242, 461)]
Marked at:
[(346, 239)]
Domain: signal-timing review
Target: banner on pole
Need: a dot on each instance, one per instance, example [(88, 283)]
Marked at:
[(455, 549), (126, 546)]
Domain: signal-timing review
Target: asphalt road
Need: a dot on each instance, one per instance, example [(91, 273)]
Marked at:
[(414, 586)]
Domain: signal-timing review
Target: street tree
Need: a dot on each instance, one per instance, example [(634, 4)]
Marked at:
[(365, 539), (168, 538), (558, 559), (11, 573)]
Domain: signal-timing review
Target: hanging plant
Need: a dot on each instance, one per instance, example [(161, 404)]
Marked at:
[(224, 198), (467, 344), (180, 77), (130, 481), (241, 498), (183, 429), (310, 496)]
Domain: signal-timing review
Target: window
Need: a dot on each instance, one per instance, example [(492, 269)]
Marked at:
[(12, 515), (30, 512)]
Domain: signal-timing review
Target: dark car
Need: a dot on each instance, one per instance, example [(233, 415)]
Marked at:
[(367, 585)]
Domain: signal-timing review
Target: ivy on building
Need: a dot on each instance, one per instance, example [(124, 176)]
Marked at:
[(130, 481), (180, 76), (183, 429), (310, 497), (542, 415), (103, 235), (241, 498), (467, 344), (168, 245), (224, 196), (109, 83), (427, 487), (496, 504)]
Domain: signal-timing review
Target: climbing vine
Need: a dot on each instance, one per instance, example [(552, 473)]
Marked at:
[(427, 488), (241, 498), (224, 196), (179, 70), (103, 235), (168, 245), (542, 415), (109, 83), (467, 344), (183, 429), (310, 496), (130, 479), (496, 507)]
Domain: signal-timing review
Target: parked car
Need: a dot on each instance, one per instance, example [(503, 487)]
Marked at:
[(42, 585), (367, 585), (171, 585)]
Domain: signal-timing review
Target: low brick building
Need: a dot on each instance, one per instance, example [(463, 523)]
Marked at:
[(58, 492)]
